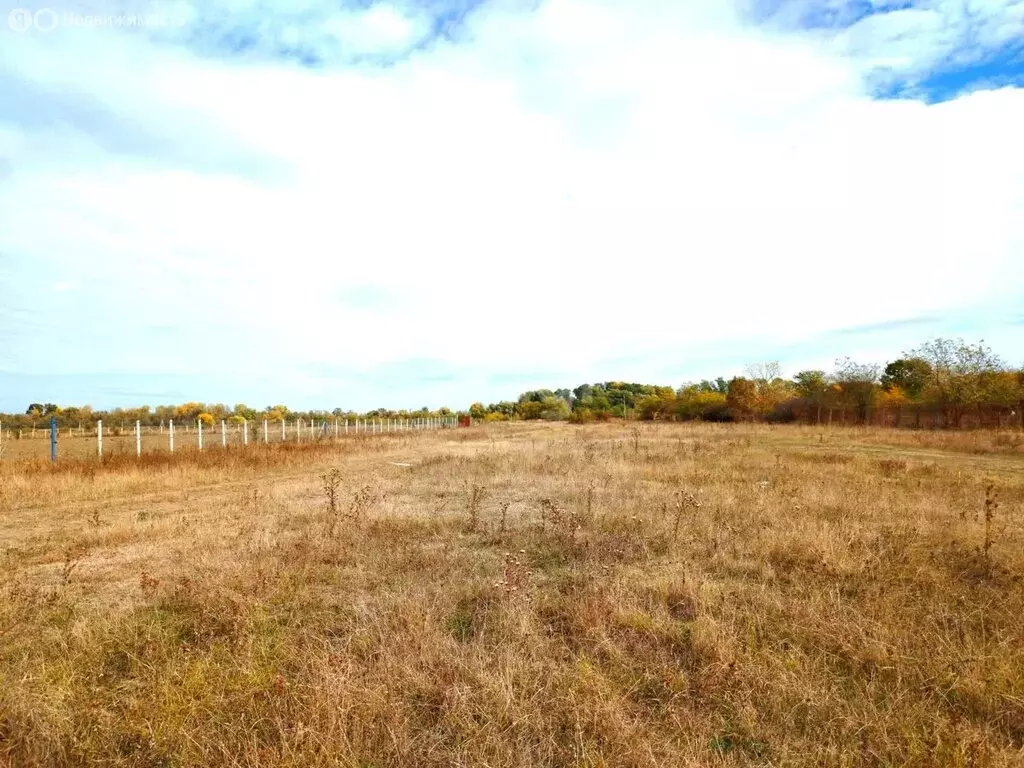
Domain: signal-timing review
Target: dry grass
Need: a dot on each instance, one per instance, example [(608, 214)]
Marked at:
[(521, 595)]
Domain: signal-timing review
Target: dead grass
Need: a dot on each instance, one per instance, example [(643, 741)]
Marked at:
[(520, 595)]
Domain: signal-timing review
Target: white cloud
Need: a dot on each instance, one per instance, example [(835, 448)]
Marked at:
[(913, 41), (380, 29), (554, 188)]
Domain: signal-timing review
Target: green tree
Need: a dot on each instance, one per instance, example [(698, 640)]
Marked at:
[(555, 409), (719, 385), (505, 408), (697, 402), (243, 412), (909, 374)]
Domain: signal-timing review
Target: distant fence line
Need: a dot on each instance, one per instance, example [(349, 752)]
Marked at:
[(297, 431)]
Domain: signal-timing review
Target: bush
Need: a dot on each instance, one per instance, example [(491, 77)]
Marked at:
[(581, 416)]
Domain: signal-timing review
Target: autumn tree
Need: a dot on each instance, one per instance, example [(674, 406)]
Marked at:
[(742, 398), (962, 375), (771, 389), (811, 387), (857, 382), (189, 411), (280, 412)]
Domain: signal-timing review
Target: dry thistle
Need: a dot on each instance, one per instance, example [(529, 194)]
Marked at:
[(504, 514), (331, 484), (516, 576), (550, 511), (991, 507), (477, 494), (148, 584), (72, 559), (589, 500), (683, 500), (361, 502), (252, 499)]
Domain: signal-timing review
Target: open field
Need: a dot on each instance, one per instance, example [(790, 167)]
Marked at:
[(520, 595)]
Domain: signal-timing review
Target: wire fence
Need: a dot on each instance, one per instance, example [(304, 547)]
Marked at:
[(200, 434)]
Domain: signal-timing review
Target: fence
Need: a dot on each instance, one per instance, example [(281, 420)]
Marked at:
[(199, 435)]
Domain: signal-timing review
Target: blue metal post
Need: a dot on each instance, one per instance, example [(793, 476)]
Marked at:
[(53, 439)]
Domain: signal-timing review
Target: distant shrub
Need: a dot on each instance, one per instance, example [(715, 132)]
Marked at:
[(581, 416)]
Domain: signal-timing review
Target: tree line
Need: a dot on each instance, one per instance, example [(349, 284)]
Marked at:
[(39, 415), (941, 383)]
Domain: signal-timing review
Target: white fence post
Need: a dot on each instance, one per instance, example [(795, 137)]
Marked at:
[(99, 437), (138, 438), (245, 432), (335, 429), (223, 434), (266, 432), (298, 430), (199, 433), (284, 428), (170, 433)]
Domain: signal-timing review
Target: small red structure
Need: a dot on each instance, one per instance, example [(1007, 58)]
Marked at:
[(465, 421)]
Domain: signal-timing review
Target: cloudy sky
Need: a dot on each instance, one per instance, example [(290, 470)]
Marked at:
[(427, 202)]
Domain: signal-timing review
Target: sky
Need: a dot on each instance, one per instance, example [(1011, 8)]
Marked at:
[(432, 202)]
